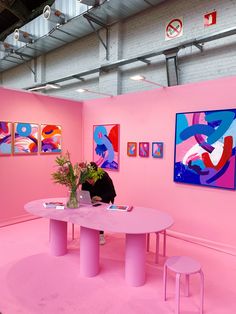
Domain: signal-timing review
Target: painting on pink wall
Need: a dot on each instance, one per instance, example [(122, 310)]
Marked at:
[(157, 149), (51, 137), (106, 146), (144, 149), (132, 149), (5, 138), (205, 145), (25, 138)]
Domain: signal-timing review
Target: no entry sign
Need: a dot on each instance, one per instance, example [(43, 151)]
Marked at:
[(174, 29)]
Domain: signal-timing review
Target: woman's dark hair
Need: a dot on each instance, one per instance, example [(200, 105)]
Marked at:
[(94, 165)]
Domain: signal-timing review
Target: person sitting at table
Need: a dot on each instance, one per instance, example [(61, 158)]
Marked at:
[(102, 190)]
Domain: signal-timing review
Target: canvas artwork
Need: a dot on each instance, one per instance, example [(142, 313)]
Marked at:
[(106, 146), (5, 138), (144, 149), (51, 136), (132, 149), (157, 149), (25, 138), (205, 144)]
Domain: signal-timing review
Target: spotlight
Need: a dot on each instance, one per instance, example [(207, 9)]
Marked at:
[(142, 78), (44, 87), (20, 35), (53, 15), (83, 90)]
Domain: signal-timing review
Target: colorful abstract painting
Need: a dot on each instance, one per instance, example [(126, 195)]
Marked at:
[(132, 149), (205, 144), (106, 146), (5, 138), (25, 138), (51, 136), (157, 149), (144, 149)]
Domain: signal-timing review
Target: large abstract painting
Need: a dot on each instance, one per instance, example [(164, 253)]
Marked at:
[(50, 138), (25, 138), (205, 148), (106, 146), (5, 138)]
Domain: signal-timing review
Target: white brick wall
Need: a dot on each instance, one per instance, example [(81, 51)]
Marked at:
[(142, 33)]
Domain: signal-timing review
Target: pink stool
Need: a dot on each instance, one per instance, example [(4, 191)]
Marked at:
[(157, 244), (186, 266)]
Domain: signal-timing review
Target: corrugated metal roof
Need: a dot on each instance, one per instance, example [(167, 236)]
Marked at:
[(108, 13)]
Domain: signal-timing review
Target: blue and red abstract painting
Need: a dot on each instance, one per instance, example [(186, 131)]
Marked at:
[(106, 146), (51, 136), (205, 144)]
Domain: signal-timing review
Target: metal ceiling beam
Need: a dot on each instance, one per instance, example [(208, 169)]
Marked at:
[(119, 63), (95, 20)]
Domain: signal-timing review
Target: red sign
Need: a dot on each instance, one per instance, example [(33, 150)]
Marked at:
[(174, 29), (210, 18)]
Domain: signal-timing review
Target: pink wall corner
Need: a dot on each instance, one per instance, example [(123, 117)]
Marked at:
[(28, 177), (201, 212)]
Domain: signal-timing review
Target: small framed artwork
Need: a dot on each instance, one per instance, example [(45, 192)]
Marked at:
[(106, 146), (157, 149), (132, 149), (5, 138), (25, 138), (144, 149), (51, 137)]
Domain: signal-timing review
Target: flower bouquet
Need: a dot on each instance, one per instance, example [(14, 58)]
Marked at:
[(73, 175)]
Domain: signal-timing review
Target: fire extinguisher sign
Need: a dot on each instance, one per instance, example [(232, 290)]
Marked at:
[(174, 29), (210, 19)]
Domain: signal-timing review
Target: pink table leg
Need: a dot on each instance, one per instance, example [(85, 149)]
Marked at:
[(135, 259), (58, 237), (89, 252)]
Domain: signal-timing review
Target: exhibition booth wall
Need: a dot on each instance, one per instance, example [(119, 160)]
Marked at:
[(202, 214), (26, 177)]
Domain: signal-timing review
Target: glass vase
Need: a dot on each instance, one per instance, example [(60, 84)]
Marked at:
[(72, 201)]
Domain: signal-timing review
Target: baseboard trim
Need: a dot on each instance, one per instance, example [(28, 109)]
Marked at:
[(16, 220), (217, 246)]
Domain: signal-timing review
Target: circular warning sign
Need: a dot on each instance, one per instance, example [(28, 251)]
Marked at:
[(174, 29)]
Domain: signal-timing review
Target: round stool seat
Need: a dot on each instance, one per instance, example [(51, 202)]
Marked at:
[(183, 265)]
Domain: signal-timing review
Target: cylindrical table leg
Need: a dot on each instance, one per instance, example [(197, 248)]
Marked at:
[(135, 259), (58, 237), (89, 252)]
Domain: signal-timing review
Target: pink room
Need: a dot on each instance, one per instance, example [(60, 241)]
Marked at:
[(71, 273)]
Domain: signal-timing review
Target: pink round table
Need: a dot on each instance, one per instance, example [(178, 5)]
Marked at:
[(135, 224)]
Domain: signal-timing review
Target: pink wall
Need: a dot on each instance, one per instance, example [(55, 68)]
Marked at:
[(203, 215), (24, 178)]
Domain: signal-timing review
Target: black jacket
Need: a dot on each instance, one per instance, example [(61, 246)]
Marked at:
[(102, 187)]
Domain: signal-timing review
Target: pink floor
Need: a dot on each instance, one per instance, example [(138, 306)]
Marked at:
[(34, 282)]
